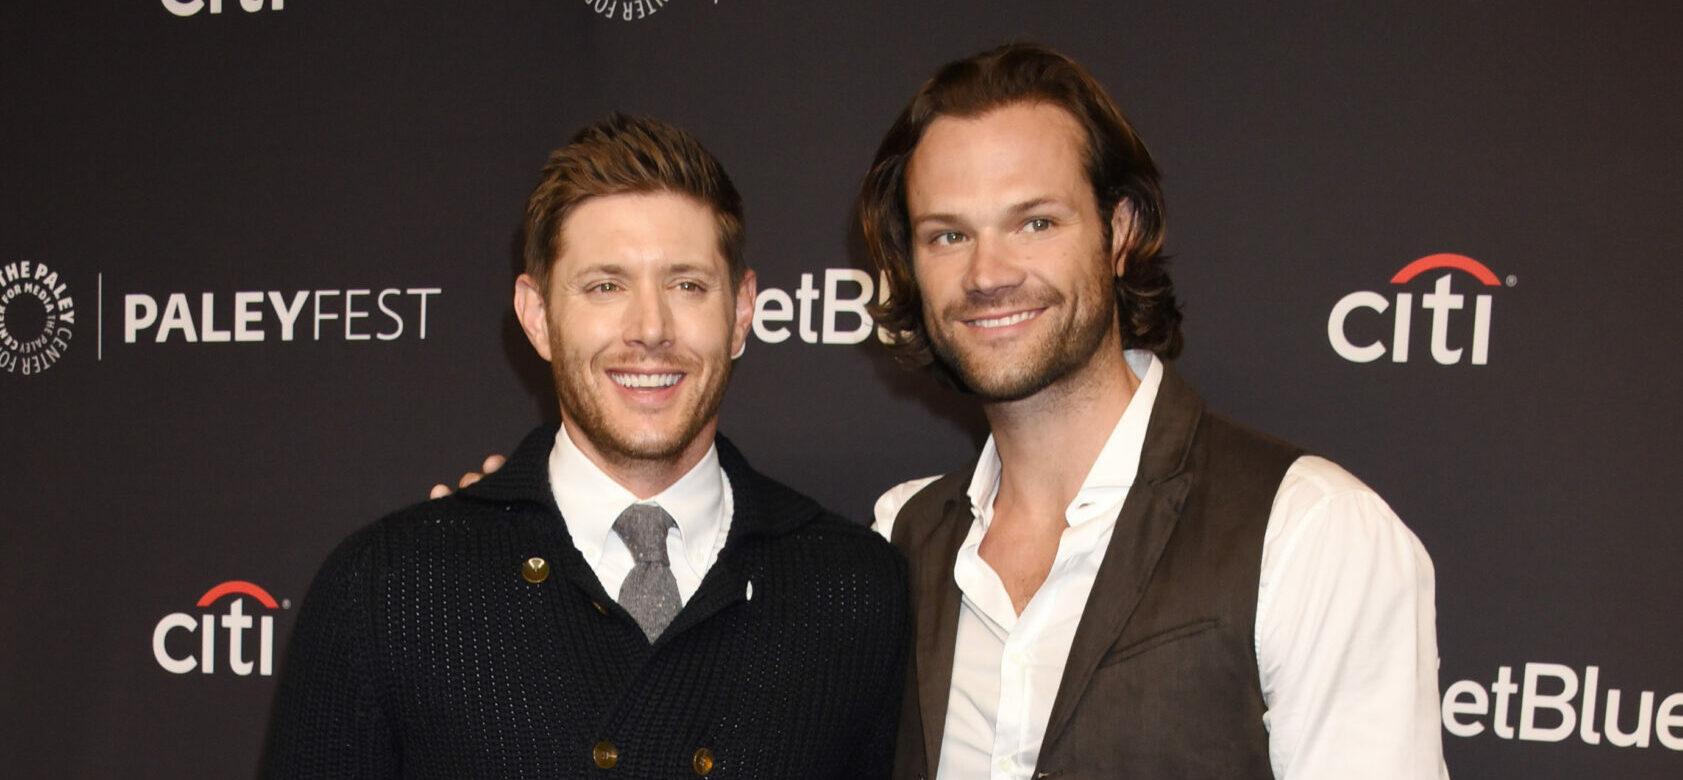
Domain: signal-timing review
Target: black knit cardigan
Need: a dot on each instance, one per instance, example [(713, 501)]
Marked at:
[(422, 650)]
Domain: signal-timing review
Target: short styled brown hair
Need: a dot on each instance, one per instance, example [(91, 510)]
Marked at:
[(1117, 165), (628, 154)]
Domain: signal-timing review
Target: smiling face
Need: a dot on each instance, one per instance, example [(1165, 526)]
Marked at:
[(639, 324), (1009, 250)]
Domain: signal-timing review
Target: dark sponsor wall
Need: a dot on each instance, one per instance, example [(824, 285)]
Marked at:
[(269, 261)]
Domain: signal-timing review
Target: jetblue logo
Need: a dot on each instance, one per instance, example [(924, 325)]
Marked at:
[(1554, 703), (831, 313)]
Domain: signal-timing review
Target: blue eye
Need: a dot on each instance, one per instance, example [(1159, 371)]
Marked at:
[(1037, 225)]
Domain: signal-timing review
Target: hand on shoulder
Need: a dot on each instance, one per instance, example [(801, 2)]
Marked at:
[(491, 464)]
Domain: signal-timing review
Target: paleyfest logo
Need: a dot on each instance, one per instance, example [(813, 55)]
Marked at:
[(1447, 327), (628, 10), (37, 317)]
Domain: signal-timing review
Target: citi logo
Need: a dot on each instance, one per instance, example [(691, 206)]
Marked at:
[(1450, 339), (1554, 703), (195, 7), (234, 622)]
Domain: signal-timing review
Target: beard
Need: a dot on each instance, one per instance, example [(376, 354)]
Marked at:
[(1057, 352), (616, 436)]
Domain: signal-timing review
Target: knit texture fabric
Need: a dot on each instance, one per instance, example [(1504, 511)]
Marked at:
[(421, 651)]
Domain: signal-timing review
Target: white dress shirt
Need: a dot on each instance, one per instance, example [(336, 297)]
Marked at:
[(590, 501), (1345, 633)]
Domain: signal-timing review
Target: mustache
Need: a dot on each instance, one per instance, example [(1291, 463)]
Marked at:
[(977, 304), (652, 358)]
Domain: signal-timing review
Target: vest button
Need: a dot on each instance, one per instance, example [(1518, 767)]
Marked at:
[(605, 754), (534, 570), (702, 761)]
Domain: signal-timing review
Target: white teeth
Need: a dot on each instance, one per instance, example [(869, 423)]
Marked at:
[(646, 380), (1000, 322)]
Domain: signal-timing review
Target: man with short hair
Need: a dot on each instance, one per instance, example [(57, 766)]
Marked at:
[(1124, 584), (626, 593)]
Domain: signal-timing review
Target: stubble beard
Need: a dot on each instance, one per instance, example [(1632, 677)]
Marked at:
[(583, 406), (1059, 353)]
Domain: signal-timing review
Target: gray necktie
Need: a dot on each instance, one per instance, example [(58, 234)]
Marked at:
[(650, 592)]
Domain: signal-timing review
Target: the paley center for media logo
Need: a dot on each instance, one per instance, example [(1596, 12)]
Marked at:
[(628, 10), (185, 641), (37, 317), (1366, 325)]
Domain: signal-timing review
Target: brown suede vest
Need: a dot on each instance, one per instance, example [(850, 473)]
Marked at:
[(1161, 681)]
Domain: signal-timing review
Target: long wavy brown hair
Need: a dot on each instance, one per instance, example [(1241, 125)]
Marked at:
[(1117, 165)]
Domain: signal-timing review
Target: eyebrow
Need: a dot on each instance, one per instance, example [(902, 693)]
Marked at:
[(692, 268), (611, 269), (1034, 203), (1014, 209), (615, 269)]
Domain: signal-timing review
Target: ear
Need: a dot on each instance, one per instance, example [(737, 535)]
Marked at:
[(1121, 233), (745, 295), (530, 310)]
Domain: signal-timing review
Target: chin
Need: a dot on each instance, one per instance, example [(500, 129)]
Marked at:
[(1003, 379), (1006, 388), (646, 446), (664, 442)]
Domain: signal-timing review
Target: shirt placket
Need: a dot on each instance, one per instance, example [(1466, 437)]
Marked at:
[(1015, 688)]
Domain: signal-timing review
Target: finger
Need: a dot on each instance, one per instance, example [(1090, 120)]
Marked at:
[(492, 463), (439, 490), (469, 478)]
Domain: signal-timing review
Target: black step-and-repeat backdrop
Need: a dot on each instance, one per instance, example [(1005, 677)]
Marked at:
[(256, 262)]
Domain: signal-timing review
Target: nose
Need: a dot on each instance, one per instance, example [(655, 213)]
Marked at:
[(648, 320), (992, 269)]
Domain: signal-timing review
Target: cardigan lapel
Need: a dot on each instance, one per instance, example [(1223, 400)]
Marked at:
[(1143, 528), (761, 508), (525, 479), (722, 586)]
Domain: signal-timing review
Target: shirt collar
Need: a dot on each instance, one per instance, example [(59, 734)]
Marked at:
[(1112, 472), (590, 500)]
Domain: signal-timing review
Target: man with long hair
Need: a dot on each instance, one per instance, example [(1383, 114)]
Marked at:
[(1123, 584)]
